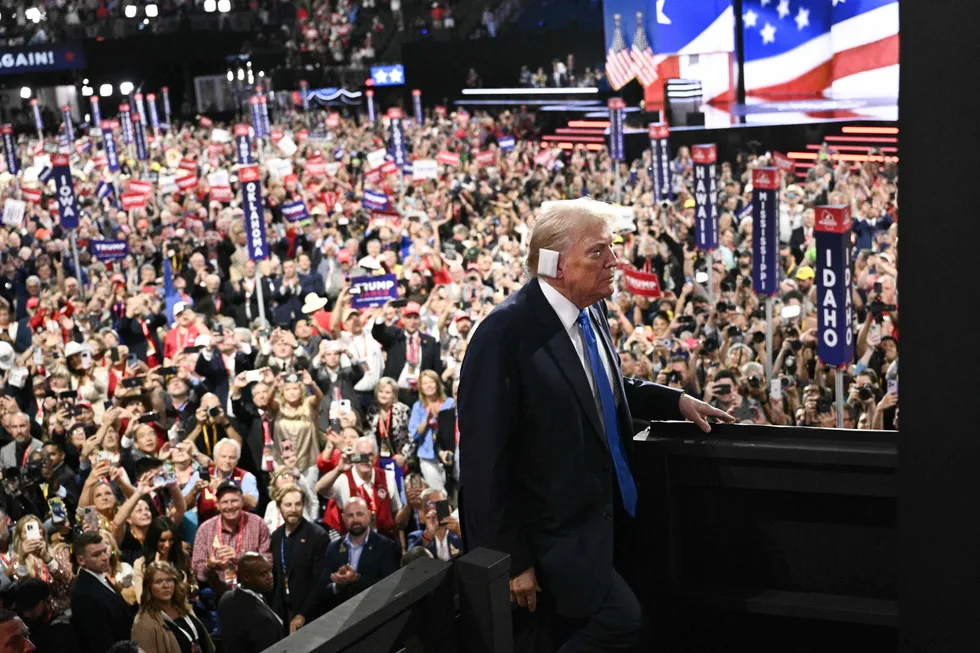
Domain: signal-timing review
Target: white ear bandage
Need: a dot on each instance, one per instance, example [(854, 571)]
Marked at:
[(548, 263)]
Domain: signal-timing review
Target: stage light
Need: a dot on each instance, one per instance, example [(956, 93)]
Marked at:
[(231, 75), (33, 14), (25, 92), (261, 73), (152, 11), (130, 11), (87, 91), (146, 21), (210, 6), (105, 90), (241, 74), (224, 6), (126, 88), (85, 81)]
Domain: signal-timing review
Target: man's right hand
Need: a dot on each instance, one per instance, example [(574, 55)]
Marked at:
[(524, 590)]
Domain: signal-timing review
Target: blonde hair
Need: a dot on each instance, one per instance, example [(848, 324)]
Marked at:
[(392, 385), (440, 390), (559, 225)]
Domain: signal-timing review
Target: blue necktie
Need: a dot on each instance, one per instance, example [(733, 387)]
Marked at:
[(626, 486)]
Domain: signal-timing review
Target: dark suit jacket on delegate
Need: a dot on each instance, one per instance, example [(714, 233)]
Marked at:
[(309, 547), (393, 340), (536, 476), (379, 559), (100, 616), (247, 626)]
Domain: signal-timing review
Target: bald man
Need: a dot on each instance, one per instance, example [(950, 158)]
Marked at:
[(20, 445), (248, 624)]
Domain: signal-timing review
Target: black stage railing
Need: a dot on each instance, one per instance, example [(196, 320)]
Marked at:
[(769, 538)]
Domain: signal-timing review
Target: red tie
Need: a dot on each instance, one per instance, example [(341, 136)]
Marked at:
[(413, 349)]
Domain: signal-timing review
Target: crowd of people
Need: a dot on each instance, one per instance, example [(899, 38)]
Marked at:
[(562, 74), (176, 469)]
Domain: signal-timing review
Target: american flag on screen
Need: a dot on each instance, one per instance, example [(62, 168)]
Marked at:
[(619, 63), (644, 63), (842, 48)]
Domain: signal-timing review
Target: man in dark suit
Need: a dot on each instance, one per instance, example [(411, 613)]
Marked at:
[(221, 363), (298, 549), (137, 330), (99, 614), (409, 351), (802, 237), (545, 420), (358, 561), (248, 624)]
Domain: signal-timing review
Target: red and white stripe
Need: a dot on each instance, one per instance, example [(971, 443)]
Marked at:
[(619, 68)]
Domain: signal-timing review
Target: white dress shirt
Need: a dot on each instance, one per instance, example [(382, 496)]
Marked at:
[(568, 315)]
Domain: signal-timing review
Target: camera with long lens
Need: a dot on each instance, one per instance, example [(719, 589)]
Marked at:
[(865, 393)]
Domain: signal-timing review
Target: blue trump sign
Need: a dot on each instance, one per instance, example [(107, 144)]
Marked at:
[(370, 292)]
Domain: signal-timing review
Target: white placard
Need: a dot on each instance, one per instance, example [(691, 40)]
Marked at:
[(219, 178), (220, 135), (376, 158), (167, 183), (279, 167), (13, 212), (287, 146), (425, 169), (332, 168)]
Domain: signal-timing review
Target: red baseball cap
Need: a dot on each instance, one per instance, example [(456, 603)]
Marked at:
[(34, 301), (343, 256), (412, 308)]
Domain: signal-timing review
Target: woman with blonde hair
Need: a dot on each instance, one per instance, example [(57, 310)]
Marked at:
[(32, 557), (423, 426), (296, 424), (387, 421), (120, 573), (165, 622)]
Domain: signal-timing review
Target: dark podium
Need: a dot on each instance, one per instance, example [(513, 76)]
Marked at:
[(768, 538)]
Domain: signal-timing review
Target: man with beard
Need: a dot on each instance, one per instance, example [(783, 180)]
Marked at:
[(298, 547), (358, 561)]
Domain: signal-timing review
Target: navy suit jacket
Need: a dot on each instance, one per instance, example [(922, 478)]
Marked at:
[(379, 559), (536, 475)]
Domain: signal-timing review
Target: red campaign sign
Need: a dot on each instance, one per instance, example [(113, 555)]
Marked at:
[(448, 158), (392, 219), (658, 130), (484, 159), (544, 158), (302, 135), (114, 123), (833, 219), (32, 195), (221, 194), (641, 283), (249, 173), (140, 186), (276, 136), (205, 122), (389, 168), (783, 162), (133, 201), (216, 149), (316, 167), (333, 120), (330, 199), (704, 153), (765, 179), (100, 160), (186, 182), (189, 165), (373, 176)]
